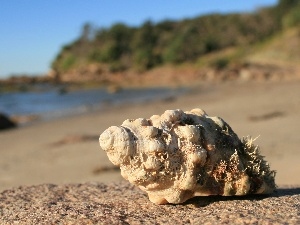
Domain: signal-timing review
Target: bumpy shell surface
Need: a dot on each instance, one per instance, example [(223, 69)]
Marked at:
[(179, 155)]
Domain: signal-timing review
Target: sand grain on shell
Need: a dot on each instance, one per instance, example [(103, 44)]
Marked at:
[(122, 203)]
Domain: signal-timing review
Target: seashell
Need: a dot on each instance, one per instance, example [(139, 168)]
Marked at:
[(179, 155)]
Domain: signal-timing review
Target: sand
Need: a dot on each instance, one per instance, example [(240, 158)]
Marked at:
[(66, 150)]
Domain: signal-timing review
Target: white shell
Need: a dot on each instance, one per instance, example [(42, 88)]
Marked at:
[(179, 155)]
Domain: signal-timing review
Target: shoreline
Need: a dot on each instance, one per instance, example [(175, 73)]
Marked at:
[(78, 101), (66, 150)]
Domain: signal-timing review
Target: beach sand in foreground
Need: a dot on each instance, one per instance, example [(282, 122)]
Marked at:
[(66, 150)]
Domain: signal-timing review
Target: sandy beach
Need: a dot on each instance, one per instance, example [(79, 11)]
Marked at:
[(66, 150), (45, 165)]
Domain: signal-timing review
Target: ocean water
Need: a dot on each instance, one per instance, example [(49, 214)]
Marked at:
[(50, 102)]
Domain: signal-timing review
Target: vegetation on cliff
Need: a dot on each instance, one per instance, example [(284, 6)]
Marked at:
[(123, 48)]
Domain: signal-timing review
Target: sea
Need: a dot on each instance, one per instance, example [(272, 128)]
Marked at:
[(50, 102)]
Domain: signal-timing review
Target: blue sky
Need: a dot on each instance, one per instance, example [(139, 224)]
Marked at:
[(33, 31)]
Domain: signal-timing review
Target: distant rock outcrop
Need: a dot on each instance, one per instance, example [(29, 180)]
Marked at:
[(5, 122)]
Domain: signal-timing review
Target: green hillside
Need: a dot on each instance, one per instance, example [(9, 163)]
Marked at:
[(213, 40), (282, 49)]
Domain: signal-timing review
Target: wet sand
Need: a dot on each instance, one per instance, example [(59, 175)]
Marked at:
[(66, 150)]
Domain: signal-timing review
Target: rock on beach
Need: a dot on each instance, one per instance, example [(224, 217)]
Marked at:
[(6, 122), (122, 203)]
